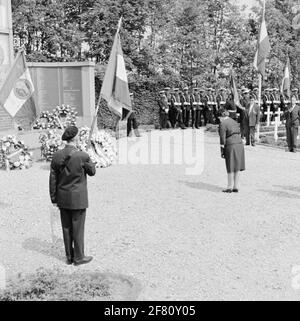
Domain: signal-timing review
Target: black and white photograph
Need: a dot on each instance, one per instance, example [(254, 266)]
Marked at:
[(149, 152)]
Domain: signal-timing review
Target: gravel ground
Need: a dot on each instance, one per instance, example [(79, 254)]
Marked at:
[(178, 236)]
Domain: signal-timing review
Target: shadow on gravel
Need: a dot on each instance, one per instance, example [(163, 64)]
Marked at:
[(203, 186), (281, 194), (54, 249), (289, 188)]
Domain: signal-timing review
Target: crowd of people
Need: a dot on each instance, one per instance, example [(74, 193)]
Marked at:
[(195, 107)]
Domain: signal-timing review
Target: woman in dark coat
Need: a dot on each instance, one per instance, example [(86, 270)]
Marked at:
[(232, 149)]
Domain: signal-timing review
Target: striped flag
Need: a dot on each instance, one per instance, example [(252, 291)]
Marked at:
[(233, 89), (286, 81), (263, 47), (115, 84), (17, 90)]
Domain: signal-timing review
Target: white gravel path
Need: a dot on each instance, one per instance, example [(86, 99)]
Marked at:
[(179, 236)]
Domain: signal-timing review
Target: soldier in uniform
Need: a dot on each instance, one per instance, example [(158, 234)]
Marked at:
[(186, 106), (204, 99), (132, 121), (163, 111), (177, 108), (196, 105), (221, 98), (210, 105), (172, 111)]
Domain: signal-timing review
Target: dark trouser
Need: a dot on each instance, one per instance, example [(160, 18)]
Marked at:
[(195, 118), (183, 112), (249, 133), (164, 120), (131, 123), (172, 116), (291, 137), (209, 116), (179, 117), (72, 222), (187, 117)]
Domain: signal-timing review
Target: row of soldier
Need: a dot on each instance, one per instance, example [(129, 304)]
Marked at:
[(198, 107)]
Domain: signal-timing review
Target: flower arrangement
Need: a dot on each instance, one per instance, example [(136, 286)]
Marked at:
[(103, 146), (61, 116), (65, 116), (50, 143), (15, 153)]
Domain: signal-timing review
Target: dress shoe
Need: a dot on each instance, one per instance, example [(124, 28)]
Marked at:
[(69, 261), (84, 260), (235, 190), (227, 190)]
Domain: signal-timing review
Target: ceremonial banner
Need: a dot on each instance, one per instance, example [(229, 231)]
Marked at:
[(17, 90), (115, 84), (234, 90), (286, 81), (263, 48)]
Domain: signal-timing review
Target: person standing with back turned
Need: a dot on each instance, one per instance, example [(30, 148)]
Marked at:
[(68, 190)]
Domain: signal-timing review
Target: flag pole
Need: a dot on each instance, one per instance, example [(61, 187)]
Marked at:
[(259, 102), (99, 99)]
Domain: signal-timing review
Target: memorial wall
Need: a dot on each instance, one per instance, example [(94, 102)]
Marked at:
[(65, 83)]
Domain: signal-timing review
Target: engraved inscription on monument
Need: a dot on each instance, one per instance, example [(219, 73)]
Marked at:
[(47, 85), (72, 88)]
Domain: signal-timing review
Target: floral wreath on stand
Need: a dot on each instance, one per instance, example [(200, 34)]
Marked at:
[(50, 143), (14, 153), (65, 116), (45, 121), (103, 149)]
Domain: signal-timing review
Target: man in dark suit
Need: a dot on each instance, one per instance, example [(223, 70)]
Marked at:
[(292, 121), (250, 120), (68, 191)]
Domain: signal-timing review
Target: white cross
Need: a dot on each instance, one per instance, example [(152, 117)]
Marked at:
[(268, 113)]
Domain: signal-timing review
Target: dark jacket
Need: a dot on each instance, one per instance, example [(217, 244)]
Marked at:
[(251, 117), (229, 131), (292, 118), (68, 182)]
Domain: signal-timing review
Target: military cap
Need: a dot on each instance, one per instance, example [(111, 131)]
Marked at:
[(295, 89), (267, 89), (131, 94), (176, 89), (222, 89), (209, 89), (167, 88), (186, 88), (275, 89), (201, 90), (69, 133), (196, 88), (246, 91), (162, 92), (255, 89)]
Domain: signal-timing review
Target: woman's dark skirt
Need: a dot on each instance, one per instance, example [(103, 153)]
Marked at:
[(235, 157)]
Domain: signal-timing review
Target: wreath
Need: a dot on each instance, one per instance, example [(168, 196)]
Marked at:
[(103, 146), (61, 117), (64, 116), (50, 143), (45, 121), (14, 153)]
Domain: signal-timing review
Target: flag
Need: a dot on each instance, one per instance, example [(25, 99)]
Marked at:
[(115, 84), (263, 48), (286, 81), (233, 89), (17, 90)]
